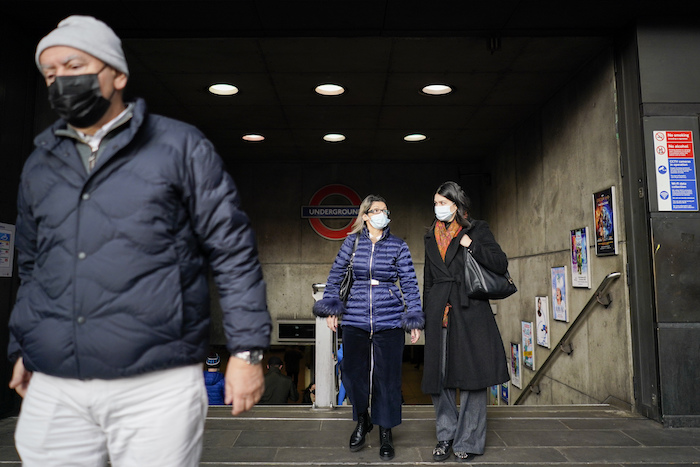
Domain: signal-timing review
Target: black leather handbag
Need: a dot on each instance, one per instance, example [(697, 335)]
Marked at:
[(348, 278), (484, 284)]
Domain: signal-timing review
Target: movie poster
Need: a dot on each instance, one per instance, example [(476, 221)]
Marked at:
[(516, 363), (560, 309), (493, 395), (542, 320), (605, 222), (505, 389), (528, 345), (580, 268)]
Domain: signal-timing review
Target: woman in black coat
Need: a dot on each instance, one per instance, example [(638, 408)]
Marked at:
[(463, 347)]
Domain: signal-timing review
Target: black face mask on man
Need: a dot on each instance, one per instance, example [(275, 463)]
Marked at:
[(78, 99)]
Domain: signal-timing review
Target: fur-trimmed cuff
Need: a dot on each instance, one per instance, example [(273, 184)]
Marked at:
[(328, 307), (412, 320)]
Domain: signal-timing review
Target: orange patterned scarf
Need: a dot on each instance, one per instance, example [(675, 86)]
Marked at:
[(443, 237)]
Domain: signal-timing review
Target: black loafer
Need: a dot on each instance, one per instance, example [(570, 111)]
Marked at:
[(364, 426), (386, 449), (442, 450)]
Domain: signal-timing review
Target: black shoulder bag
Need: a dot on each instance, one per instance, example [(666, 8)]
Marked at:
[(348, 278), (481, 283)]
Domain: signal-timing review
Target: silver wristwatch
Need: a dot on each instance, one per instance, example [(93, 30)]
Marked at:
[(251, 357)]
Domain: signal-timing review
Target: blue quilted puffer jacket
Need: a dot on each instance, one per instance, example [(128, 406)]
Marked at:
[(114, 263), (376, 303)]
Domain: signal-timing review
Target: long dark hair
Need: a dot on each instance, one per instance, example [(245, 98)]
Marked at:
[(454, 192)]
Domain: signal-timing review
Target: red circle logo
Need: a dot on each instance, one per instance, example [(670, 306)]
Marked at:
[(315, 212)]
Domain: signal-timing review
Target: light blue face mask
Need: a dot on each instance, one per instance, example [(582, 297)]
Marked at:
[(379, 221), (444, 213)]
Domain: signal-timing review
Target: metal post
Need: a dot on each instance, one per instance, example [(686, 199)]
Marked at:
[(324, 373)]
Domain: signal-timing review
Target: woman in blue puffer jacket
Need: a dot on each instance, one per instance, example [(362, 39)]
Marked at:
[(374, 320)]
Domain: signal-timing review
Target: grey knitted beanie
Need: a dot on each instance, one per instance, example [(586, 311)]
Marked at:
[(89, 35)]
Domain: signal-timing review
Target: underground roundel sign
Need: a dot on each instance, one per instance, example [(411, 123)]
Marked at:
[(316, 211)]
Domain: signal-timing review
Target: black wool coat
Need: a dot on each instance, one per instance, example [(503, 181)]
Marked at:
[(475, 354)]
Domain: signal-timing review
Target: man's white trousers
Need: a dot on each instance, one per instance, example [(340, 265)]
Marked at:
[(155, 419)]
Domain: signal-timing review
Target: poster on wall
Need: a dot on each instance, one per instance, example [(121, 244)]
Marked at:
[(516, 364), (7, 249), (676, 176), (528, 345), (505, 389), (560, 309), (542, 320), (494, 398), (580, 269), (605, 222)]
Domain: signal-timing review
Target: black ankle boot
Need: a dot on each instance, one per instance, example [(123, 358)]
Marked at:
[(386, 449), (364, 426)]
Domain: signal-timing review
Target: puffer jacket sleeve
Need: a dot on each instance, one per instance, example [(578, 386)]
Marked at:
[(228, 241), (413, 317), (330, 304), (25, 243)]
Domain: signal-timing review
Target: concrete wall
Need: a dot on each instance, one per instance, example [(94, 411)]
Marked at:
[(544, 177)]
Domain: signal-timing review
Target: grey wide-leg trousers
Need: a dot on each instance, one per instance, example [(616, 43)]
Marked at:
[(466, 425)]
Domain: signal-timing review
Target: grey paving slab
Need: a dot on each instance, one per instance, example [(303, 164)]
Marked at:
[(8, 454), (367, 456), (238, 455), (639, 455), (524, 424), (666, 437), (611, 424), (567, 438), (220, 438), (520, 455), (283, 439), (264, 425)]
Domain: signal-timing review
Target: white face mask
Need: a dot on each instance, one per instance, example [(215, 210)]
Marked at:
[(379, 221), (444, 213)]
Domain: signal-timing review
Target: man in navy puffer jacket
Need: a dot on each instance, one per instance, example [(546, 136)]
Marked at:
[(120, 215)]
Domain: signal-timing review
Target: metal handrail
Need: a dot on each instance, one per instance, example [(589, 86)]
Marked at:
[(564, 343)]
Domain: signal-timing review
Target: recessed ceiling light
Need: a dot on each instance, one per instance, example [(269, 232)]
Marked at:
[(253, 138), (334, 137), (223, 89), (414, 137), (437, 89), (330, 89)]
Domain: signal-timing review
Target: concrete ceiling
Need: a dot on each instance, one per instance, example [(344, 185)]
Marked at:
[(504, 60)]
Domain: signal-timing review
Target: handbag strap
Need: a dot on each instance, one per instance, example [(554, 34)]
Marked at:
[(354, 249)]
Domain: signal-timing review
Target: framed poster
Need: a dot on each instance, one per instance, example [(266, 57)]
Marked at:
[(493, 395), (516, 363), (605, 222), (7, 249), (580, 269), (542, 320), (528, 345), (560, 309), (505, 389)]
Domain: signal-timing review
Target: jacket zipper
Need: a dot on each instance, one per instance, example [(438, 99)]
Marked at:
[(371, 304)]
